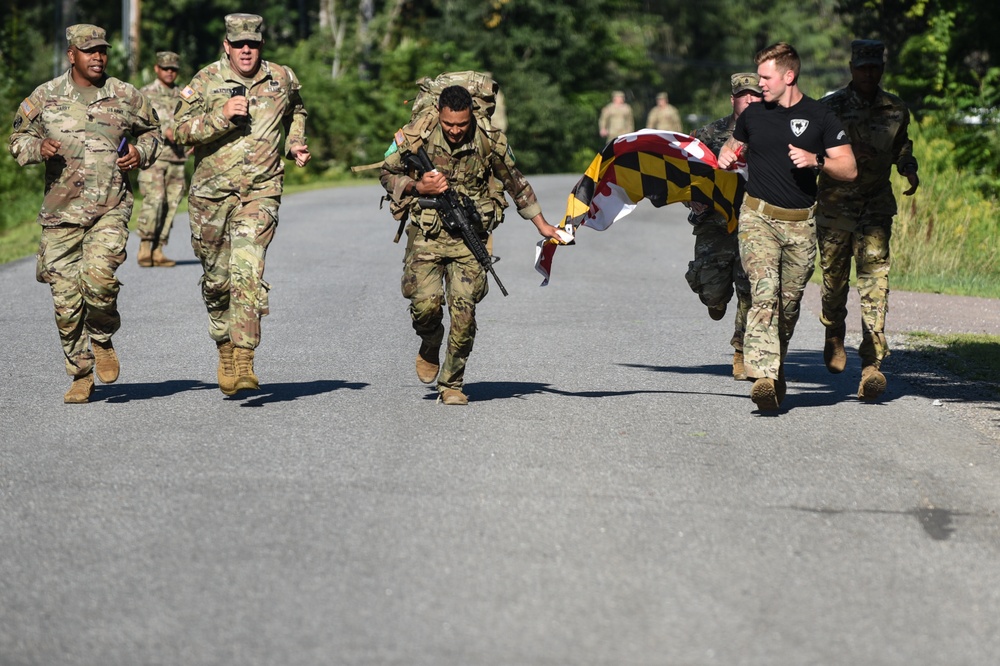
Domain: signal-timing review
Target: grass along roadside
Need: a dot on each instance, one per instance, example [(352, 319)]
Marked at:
[(972, 356), (22, 240)]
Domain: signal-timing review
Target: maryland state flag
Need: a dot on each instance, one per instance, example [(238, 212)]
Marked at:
[(663, 167)]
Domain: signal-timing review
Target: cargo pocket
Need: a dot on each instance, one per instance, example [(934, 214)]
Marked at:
[(263, 303), (41, 271)]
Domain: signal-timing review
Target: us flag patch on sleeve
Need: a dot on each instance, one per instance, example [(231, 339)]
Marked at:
[(187, 93)]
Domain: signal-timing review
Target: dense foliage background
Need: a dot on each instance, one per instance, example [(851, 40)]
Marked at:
[(557, 62)]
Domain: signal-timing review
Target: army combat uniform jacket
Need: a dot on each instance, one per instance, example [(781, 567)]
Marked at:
[(82, 182), (666, 118), (241, 158), (616, 119), (467, 167), (164, 99), (878, 133)]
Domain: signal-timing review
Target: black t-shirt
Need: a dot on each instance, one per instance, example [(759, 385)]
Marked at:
[(768, 129)]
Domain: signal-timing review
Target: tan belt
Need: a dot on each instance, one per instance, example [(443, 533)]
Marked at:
[(778, 213)]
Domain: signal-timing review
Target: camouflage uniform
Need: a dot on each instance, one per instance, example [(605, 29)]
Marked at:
[(236, 187), (666, 118), (88, 199), (855, 219), (434, 254), (616, 119), (717, 267), (162, 184)]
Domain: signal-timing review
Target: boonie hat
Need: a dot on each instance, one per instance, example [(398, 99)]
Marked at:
[(867, 52), (168, 60), (241, 27), (86, 36), (745, 81)]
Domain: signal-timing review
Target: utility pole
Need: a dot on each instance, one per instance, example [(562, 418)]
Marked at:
[(131, 11), (64, 15)]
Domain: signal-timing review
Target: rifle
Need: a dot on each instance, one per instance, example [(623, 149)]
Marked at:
[(456, 210)]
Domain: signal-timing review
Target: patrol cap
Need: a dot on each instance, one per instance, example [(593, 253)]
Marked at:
[(867, 52), (617, 93), (660, 96), (241, 27), (86, 36), (168, 60), (745, 81)]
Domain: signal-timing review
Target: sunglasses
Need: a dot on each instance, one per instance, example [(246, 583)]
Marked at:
[(245, 42)]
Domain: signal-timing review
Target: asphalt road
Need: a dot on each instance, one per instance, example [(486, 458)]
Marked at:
[(609, 496)]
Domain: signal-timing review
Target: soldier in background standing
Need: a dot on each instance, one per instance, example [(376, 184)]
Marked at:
[(234, 112), (664, 116), (78, 124), (162, 185), (855, 219), (616, 117), (717, 268)]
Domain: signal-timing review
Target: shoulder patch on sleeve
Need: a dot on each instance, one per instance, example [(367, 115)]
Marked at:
[(28, 109), (400, 137), (187, 92)]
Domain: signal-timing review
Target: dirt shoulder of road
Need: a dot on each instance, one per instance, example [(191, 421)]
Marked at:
[(974, 402)]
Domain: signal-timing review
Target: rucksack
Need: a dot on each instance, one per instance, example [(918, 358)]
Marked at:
[(481, 86), (424, 117)]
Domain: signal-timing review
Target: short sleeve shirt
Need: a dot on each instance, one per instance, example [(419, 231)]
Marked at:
[(768, 129)]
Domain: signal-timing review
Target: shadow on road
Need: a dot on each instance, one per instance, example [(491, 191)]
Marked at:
[(486, 391), (289, 391), (118, 393)]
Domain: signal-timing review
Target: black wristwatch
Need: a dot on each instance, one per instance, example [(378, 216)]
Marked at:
[(820, 161)]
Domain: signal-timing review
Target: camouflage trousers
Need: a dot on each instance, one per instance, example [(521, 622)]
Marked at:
[(79, 266), (869, 247), (717, 272), (778, 257), (438, 270), (162, 187), (230, 238)]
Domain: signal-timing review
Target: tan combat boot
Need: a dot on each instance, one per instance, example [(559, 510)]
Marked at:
[(872, 385), (428, 363), (780, 385), (160, 259), (453, 397), (834, 355), (246, 380), (145, 257), (227, 369), (80, 390), (764, 394), (105, 361), (739, 370)]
